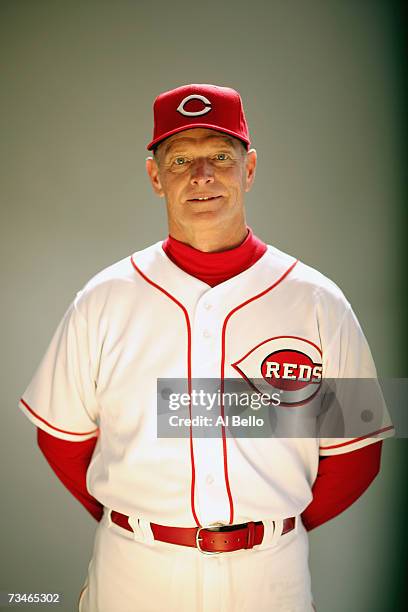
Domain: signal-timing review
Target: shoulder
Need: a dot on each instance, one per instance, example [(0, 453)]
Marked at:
[(116, 280), (307, 282)]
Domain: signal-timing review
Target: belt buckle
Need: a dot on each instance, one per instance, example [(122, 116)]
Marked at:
[(198, 539)]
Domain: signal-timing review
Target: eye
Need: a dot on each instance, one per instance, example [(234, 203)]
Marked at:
[(221, 156), (180, 161)]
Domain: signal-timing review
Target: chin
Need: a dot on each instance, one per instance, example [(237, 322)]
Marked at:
[(206, 215)]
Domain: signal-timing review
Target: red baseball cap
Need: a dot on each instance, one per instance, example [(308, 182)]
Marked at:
[(191, 106)]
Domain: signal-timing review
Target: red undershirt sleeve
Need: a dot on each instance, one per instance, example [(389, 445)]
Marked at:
[(341, 480), (70, 461)]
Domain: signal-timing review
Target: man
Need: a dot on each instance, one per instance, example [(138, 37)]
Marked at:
[(197, 522)]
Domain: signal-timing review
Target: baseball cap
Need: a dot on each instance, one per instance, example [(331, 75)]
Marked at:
[(199, 105)]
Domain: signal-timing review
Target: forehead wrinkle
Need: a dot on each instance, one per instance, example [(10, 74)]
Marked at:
[(187, 139)]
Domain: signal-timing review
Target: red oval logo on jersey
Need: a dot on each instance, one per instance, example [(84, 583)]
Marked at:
[(289, 365), (290, 370)]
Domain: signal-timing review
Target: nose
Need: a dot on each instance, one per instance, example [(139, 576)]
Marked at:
[(202, 172)]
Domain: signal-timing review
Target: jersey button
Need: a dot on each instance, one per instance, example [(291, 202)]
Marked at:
[(209, 479), (206, 333), (207, 305)]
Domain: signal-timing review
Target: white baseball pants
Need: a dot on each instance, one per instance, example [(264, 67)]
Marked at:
[(134, 573)]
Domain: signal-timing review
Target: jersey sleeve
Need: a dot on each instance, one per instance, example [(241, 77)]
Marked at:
[(61, 398), (355, 413)]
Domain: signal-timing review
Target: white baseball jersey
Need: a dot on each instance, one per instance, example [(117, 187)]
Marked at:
[(144, 318)]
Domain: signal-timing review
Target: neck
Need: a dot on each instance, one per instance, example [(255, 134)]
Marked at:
[(215, 267), (211, 240)]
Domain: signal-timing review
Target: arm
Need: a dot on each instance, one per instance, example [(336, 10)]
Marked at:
[(70, 461), (341, 480)]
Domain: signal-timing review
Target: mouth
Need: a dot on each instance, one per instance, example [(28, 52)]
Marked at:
[(204, 199)]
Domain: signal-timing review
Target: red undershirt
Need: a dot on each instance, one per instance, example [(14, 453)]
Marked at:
[(341, 479), (215, 268)]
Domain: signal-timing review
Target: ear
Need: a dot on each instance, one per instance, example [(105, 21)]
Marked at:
[(152, 170), (250, 167)]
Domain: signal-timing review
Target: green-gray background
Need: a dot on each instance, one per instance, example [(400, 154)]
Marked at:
[(322, 85)]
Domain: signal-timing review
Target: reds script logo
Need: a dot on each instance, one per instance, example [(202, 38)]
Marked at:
[(291, 366), (203, 111)]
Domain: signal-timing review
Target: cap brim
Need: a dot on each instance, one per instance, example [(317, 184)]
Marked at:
[(182, 128)]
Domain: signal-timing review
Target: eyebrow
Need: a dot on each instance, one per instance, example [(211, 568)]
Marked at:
[(226, 139)]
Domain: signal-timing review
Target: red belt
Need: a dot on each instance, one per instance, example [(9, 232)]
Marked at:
[(209, 539)]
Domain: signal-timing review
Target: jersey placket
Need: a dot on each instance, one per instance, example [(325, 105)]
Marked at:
[(211, 499)]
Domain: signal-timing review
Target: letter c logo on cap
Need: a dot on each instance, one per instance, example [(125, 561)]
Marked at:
[(203, 111)]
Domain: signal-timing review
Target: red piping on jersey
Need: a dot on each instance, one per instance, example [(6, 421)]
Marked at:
[(71, 433), (80, 594), (370, 435), (183, 308), (224, 330)]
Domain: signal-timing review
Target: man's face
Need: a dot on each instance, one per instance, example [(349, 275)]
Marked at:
[(203, 175)]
